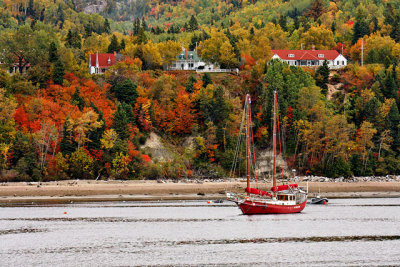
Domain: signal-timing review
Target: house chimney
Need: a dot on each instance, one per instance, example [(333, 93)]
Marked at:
[(115, 53), (313, 47), (185, 54), (97, 59)]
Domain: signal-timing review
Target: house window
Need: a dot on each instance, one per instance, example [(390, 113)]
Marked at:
[(290, 55), (321, 55), (343, 62)]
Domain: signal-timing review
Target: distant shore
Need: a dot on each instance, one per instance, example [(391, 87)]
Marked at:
[(89, 190)]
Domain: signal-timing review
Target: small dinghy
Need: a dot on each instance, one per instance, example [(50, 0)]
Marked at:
[(319, 200)]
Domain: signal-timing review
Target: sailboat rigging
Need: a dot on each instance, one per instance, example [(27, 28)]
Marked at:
[(285, 198)]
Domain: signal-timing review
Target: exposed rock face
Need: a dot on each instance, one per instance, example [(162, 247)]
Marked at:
[(265, 163), (96, 6), (157, 150)]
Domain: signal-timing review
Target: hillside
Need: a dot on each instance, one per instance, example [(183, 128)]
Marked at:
[(137, 120)]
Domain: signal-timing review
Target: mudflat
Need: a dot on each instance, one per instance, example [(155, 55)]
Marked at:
[(89, 190)]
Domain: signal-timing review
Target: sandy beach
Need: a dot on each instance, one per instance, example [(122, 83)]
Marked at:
[(83, 190)]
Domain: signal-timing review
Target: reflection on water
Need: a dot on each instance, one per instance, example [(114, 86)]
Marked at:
[(361, 232)]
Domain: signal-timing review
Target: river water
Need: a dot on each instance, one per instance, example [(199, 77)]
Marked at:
[(346, 232)]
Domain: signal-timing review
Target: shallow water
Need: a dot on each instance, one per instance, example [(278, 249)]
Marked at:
[(346, 232)]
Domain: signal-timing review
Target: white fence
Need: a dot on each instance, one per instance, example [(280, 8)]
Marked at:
[(218, 70)]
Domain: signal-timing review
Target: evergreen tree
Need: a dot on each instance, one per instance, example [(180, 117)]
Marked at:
[(283, 22), (123, 45), (129, 113), (59, 72), (73, 39), (251, 33), (220, 107), (77, 100), (371, 111), (141, 37), (114, 45), (121, 122), (144, 24), (136, 26), (333, 27), (390, 86), (322, 78), (106, 27), (296, 23), (393, 122), (387, 62), (67, 144), (30, 11), (206, 79), (61, 16), (221, 113), (189, 85), (53, 53), (96, 135), (126, 92), (360, 29), (193, 24)]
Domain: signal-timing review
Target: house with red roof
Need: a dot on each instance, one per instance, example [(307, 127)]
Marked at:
[(311, 58), (99, 63)]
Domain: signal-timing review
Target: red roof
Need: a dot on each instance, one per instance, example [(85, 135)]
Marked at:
[(105, 60), (306, 54)]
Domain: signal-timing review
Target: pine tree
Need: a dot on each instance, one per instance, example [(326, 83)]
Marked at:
[(106, 27), (322, 78), (390, 86), (193, 24), (283, 22), (219, 106), (206, 79), (136, 26), (59, 72), (77, 100), (53, 53), (121, 122), (144, 24), (333, 27), (141, 37), (296, 23), (67, 144), (221, 112), (393, 122), (360, 29), (122, 46), (189, 85), (129, 113), (126, 92), (96, 135), (114, 45), (61, 16)]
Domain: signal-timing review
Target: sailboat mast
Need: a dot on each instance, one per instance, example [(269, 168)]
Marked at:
[(248, 140), (274, 142)]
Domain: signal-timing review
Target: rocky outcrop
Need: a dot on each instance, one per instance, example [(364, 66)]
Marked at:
[(155, 147)]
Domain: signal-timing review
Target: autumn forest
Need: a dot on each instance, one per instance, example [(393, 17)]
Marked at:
[(58, 121)]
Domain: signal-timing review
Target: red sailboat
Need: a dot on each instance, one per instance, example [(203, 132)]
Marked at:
[(285, 198)]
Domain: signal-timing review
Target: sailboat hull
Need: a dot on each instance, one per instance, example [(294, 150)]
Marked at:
[(254, 207)]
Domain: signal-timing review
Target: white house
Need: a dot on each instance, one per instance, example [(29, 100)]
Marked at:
[(311, 58), (189, 60)]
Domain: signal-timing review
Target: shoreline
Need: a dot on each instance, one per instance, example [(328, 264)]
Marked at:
[(98, 191)]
